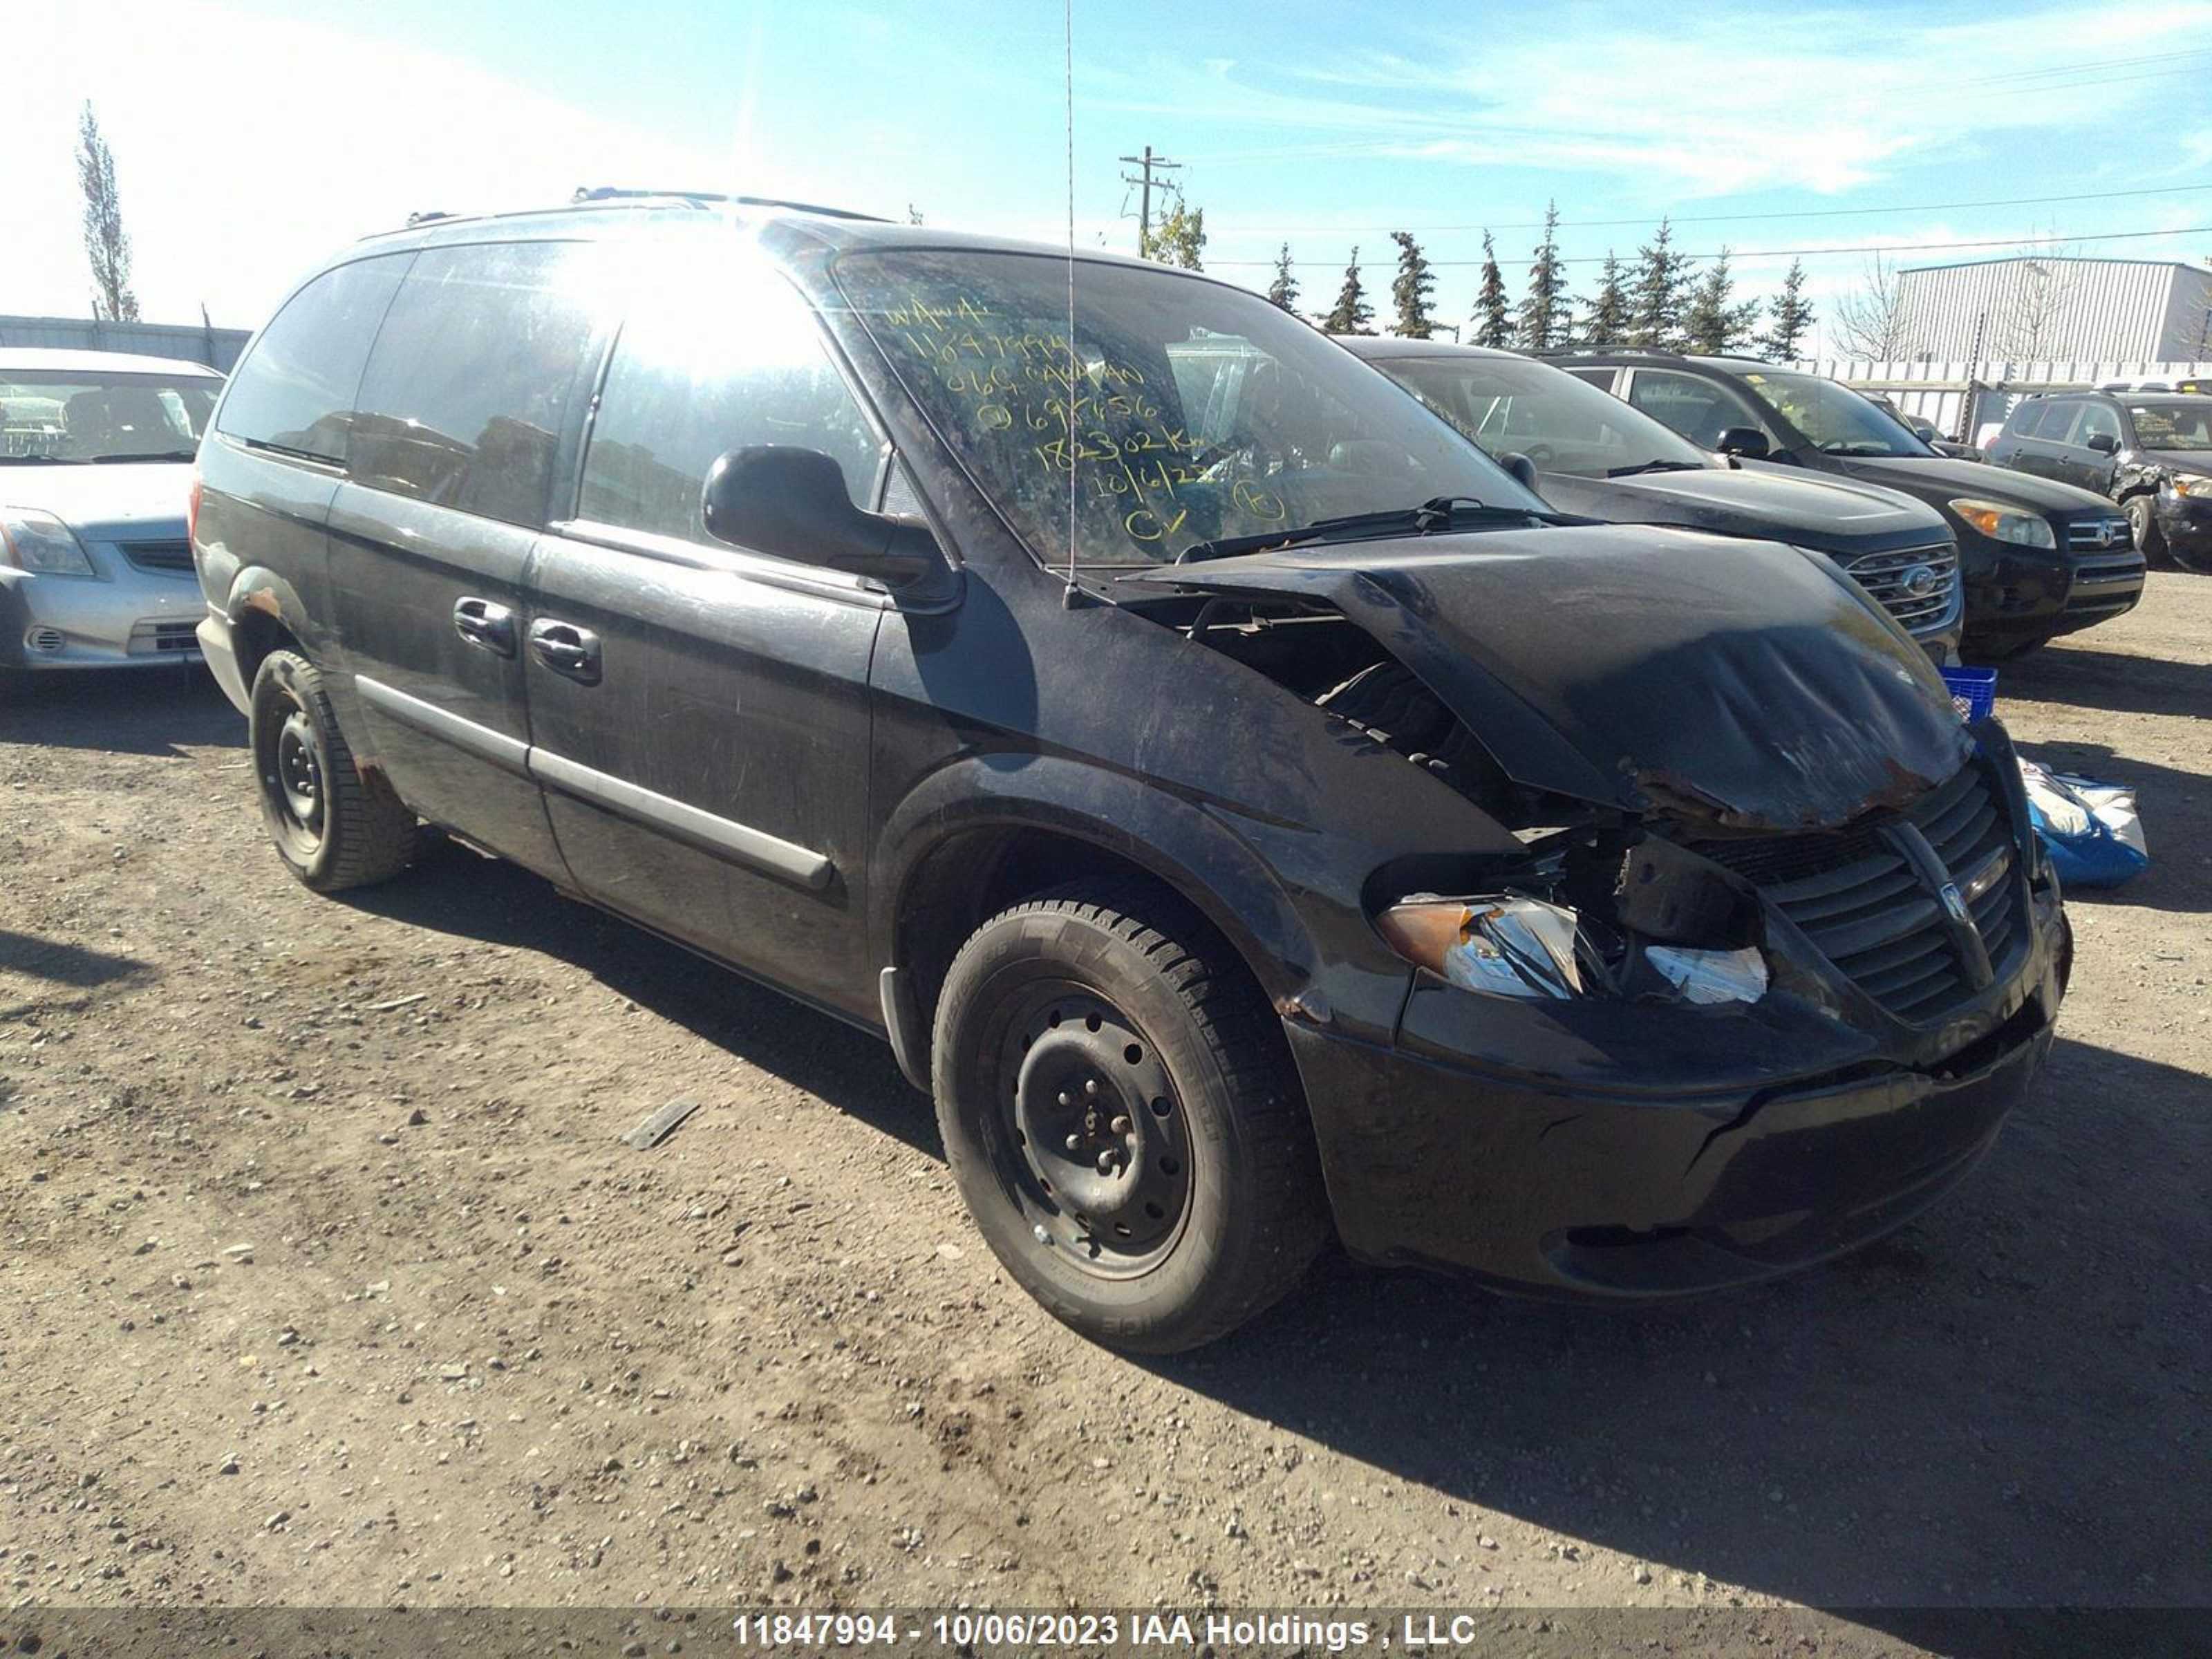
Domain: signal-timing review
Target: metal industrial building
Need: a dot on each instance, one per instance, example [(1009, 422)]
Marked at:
[(218, 348), (2080, 310)]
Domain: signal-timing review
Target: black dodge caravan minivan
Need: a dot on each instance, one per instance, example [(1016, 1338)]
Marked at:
[(1246, 809)]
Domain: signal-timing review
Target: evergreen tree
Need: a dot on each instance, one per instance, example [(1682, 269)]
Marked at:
[(1352, 314), (1793, 315), (1658, 292), (1545, 314), (1284, 290), (1605, 314), (1492, 327), (1179, 238), (1715, 324), (1410, 291), (107, 244)]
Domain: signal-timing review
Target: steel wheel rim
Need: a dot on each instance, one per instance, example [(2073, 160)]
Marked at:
[(1088, 1136), (292, 778)]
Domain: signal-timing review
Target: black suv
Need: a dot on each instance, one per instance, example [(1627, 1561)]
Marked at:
[(1591, 454), (1238, 800), (2150, 452), (2040, 558)]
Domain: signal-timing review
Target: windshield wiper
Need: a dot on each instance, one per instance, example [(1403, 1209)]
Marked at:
[(151, 455), (43, 460), (1655, 466), (1437, 514)]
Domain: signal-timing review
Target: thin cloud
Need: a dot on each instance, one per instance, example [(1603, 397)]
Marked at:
[(1705, 108)]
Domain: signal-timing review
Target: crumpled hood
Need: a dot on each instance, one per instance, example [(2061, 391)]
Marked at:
[(1726, 682), (2198, 461), (1835, 514), (105, 502)]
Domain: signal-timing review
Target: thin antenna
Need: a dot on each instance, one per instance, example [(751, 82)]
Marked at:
[(1067, 393)]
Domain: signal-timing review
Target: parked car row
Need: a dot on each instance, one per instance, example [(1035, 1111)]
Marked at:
[(1248, 808), (2039, 558), (1597, 456)]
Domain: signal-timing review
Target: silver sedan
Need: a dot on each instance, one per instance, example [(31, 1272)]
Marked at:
[(95, 476)]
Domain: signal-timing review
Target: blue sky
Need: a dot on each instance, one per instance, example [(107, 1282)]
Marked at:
[(251, 136)]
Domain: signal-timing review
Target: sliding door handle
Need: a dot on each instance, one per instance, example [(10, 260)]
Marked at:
[(566, 649)]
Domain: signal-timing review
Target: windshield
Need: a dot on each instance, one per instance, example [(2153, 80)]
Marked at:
[(91, 415), (1560, 423), (1834, 418), (1201, 412), (2184, 423)]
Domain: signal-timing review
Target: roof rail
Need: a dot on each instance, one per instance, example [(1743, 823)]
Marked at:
[(587, 194)]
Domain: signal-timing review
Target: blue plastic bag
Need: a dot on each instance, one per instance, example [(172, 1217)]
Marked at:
[(2091, 830)]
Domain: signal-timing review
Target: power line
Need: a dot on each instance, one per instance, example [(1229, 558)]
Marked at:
[(1736, 253), (1647, 222)]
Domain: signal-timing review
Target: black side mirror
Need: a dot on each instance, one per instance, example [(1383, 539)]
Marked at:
[(773, 498), (2102, 442), (1522, 469), (1748, 441)]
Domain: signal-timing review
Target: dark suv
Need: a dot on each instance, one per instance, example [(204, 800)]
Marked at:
[(1592, 455), (1239, 802), (2150, 452), (2040, 558)]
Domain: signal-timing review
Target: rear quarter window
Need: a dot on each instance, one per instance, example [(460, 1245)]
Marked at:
[(295, 389)]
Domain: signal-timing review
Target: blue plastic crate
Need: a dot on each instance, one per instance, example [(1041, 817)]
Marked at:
[(1973, 691)]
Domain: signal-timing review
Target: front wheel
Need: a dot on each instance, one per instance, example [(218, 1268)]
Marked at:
[(333, 827), (1122, 1119), (2150, 540)]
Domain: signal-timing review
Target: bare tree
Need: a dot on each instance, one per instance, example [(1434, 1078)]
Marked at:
[(2029, 324), (1869, 321), (106, 243)]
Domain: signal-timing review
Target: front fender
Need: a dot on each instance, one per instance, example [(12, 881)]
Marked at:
[(1196, 850)]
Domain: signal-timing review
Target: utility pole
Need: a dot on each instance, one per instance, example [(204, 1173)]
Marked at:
[(1149, 163)]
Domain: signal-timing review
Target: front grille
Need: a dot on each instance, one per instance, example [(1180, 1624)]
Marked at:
[(1859, 899), (174, 557), (158, 635), (2106, 534), (1914, 584)]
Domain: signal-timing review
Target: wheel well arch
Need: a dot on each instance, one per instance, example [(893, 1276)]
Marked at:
[(974, 873), (256, 632)]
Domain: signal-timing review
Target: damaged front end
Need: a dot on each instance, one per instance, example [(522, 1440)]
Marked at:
[(1774, 954)]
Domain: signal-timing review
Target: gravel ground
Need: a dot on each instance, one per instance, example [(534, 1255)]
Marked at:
[(325, 1278)]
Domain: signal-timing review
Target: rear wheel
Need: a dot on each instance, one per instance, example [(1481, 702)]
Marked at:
[(332, 827), (1122, 1118)]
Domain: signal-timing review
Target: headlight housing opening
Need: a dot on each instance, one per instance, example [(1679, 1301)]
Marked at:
[(1511, 945)]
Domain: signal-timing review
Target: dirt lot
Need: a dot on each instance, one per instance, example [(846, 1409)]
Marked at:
[(326, 1279)]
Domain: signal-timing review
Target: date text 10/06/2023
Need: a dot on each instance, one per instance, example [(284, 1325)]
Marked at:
[(1086, 416), (1231, 1632)]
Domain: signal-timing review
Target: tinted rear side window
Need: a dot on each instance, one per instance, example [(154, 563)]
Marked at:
[(481, 358), (721, 359), (295, 389)]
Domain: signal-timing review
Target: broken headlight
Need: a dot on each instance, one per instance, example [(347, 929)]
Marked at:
[(1510, 944)]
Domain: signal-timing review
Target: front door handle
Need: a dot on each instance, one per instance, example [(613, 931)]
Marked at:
[(566, 649), (482, 623)]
